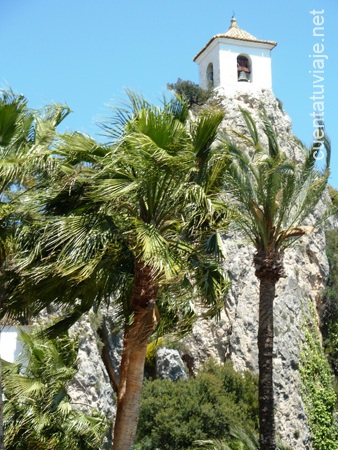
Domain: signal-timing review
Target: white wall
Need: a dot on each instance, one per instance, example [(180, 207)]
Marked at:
[(222, 53), (211, 56), (10, 346)]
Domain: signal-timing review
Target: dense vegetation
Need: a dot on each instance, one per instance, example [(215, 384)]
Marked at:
[(317, 392), (190, 92), (38, 412), (128, 221), (329, 313), (175, 414), (138, 222)]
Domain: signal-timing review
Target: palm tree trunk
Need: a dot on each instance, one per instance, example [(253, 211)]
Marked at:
[(129, 396), (265, 361), (143, 303)]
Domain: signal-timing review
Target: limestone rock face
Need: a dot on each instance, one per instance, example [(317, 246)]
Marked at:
[(91, 389), (169, 364), (235, 335)]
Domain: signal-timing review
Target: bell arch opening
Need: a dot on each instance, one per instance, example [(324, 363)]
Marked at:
[(244, 68)]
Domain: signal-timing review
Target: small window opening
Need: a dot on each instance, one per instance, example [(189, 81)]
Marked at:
[(210, 74), (243, 68)]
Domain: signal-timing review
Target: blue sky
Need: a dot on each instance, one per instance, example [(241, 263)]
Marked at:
[(85, 53)]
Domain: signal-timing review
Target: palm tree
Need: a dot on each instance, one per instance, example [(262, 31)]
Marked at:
[(23, 137), (38, 411), (12, 116), (273, 195), (135, 223)]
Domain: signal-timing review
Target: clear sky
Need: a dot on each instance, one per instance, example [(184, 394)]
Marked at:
[(86, 52)]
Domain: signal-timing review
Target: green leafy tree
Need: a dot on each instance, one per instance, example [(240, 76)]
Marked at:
[(176, 414), (273, 195), (128, 223), (190, 92), (38, 412)]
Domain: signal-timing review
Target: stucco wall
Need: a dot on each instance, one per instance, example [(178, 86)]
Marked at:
[(223, 55), (10, 346)]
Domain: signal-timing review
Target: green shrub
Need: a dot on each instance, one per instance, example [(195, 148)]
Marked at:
[(175, 414), (334, 195), (318, 393), (329, 313), (150, 362), (190, 92)]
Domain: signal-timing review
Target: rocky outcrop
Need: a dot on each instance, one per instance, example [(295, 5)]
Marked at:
[(91, 389), (169, 364)]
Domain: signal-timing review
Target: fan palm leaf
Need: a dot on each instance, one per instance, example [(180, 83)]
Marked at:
[(123, 223), (38, 412)]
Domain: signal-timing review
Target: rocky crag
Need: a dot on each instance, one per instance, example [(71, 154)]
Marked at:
[(234, 336)]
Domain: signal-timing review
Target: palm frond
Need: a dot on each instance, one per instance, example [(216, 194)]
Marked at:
[(177, 107), (38, 412), (252, 128), (273, 193), (204, 132), (114, 127), (212, 444), (212, 284), (273, 146)]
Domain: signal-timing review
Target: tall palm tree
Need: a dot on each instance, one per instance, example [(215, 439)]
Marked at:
[(273, 195), (135, 223)]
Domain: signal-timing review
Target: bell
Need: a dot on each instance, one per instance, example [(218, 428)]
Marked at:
[(242, 76)]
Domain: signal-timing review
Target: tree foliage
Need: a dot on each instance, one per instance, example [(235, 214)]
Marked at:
[(152, 194), (190, 92), (329, 311), (175, 414), (318, 392), (274, 193), (38, 411)]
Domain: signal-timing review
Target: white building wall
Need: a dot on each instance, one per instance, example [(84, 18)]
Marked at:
[(228, 64), (10, 346), (211, 55), (261, 65), (261, 69), (222, 53)]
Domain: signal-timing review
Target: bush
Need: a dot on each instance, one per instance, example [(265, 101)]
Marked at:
[(329, 313), (190, 92), (318, 393), (175, 414)]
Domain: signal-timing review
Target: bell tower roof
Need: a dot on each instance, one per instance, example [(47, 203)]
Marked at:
[(234, 32)]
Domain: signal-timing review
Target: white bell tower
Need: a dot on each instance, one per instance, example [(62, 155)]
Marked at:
[(235, 61)]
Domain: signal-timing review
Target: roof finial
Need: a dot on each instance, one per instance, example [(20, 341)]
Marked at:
[(233, 21)]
